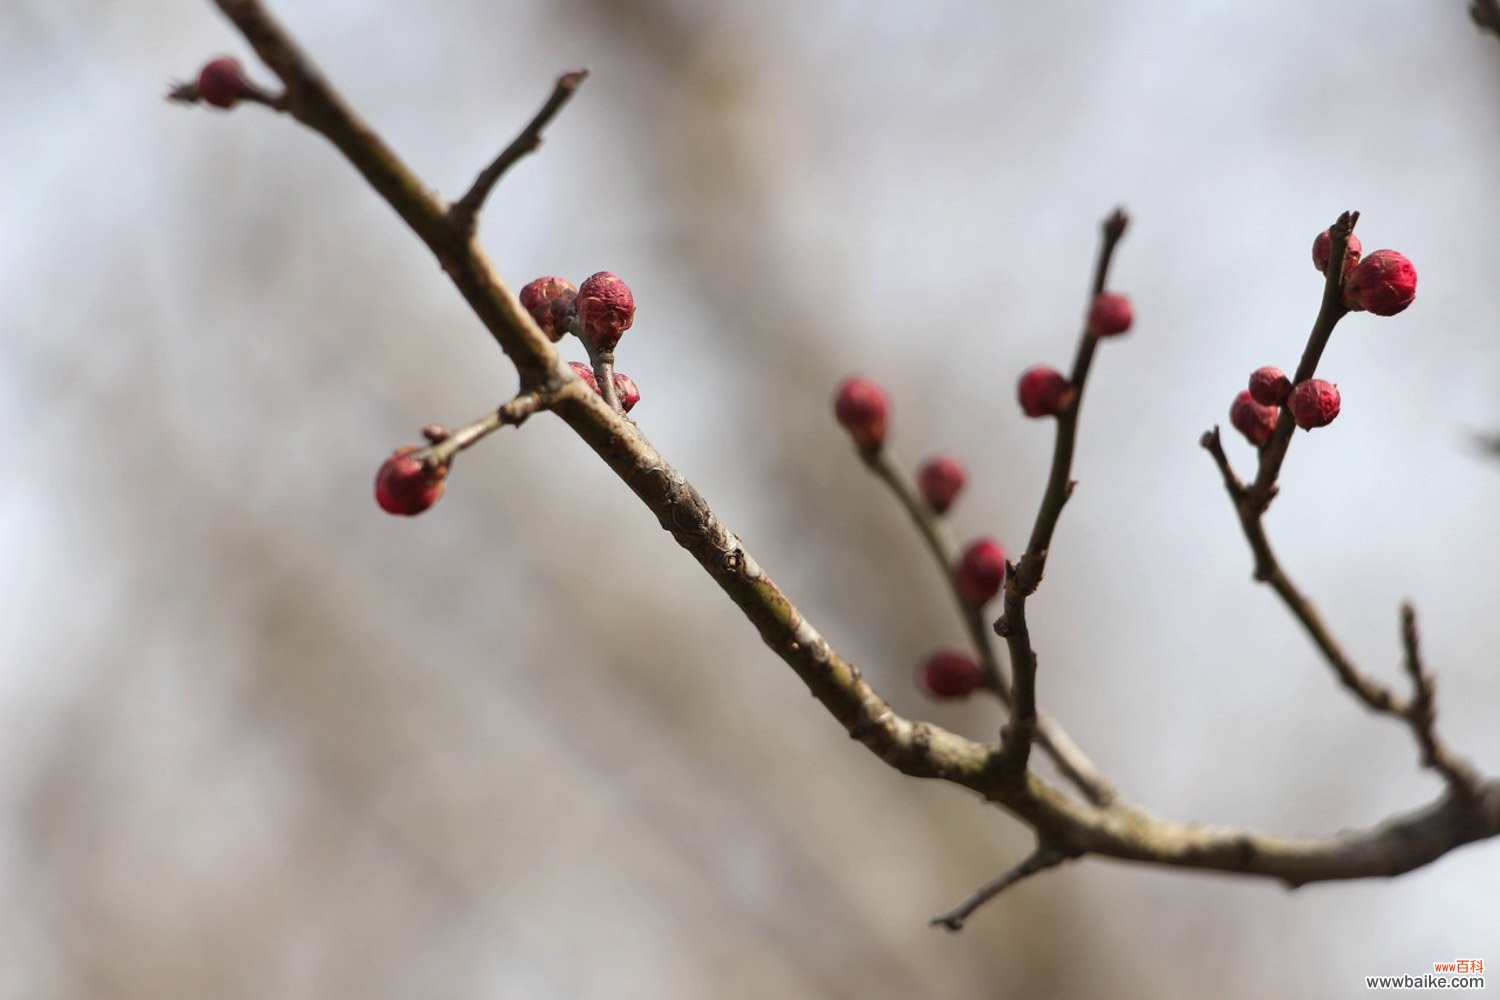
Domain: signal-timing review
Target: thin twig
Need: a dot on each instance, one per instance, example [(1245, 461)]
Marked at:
[(1421, 713), (1268, 570), (510, 414), (603, 363), (1038, 860), (1026, 575), (1069, 758), (465, 210)]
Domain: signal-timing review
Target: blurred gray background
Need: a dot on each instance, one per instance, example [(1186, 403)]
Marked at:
[(258, 739)]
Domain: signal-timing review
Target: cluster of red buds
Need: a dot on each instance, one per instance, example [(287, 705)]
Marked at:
[(598, 312), (1384, 283)]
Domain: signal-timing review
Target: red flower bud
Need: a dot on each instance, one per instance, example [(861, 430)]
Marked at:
[(948, 674), (1043, 392), (860, 405), (627, 391), (941, 479), (1110, 315), (1384, 283), (1269, 386), (1314, 403), (586, 373), (606, 308), (1254, 420), (981, 571), (405, 485), (1323, 246), (222, 83), (550, 302)]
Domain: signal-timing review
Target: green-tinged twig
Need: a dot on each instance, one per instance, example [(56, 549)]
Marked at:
[(1026, 575), (1069, 758), (465, 210), (603, 363), (1039, 860)]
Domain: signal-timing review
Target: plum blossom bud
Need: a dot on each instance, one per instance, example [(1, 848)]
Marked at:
[(1323, 246), (940, 480), (1254, 420), (606, 308), (1269, 386), (406, 485), (980, 572), (550, 302), (1384, 283), (948, 674), (1043, 392), (1110, 315), (1314, 403), (861, 407), (222, 83)]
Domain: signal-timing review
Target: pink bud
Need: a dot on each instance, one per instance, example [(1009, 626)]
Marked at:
[(940, 479), (1314, 403), (1252, 419), (948, 674), (606, 308), (405, 485), (586, 373), (550, 302), (1323, 246), (1384, 283), (981, 571), (1043, 392), (1110, 315), (860, 406), (1269, 386), (222, 83), (626, 390)]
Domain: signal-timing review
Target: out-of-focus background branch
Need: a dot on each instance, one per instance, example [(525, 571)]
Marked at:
[(259, 739)]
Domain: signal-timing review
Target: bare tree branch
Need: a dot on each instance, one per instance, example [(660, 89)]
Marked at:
[(1069, 827)]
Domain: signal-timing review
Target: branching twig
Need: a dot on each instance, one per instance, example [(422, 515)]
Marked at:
[(1267, 570), (1250, 506), (466, 209), (1026, 575), (1070, 760), (1072, 828), (1038, 860), (1421, 712)]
